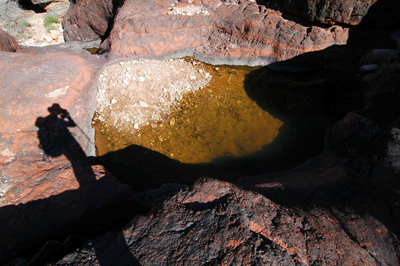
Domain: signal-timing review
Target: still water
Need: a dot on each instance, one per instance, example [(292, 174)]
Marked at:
[(216, 122)]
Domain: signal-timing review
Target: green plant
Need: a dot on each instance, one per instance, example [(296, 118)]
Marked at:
[(48, 22)]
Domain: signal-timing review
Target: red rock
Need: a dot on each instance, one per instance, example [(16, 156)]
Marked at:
[(87, 20), (43, 198), (331, 11), (33, 80), (216, 223), (222, 32), (7, 42)]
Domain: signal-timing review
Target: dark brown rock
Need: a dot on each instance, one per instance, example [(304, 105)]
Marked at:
[(216, 223), (330, 11), (213, 31), (7, 42), (88, 20)]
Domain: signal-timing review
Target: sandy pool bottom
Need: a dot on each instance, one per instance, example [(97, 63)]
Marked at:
[(217, 121)]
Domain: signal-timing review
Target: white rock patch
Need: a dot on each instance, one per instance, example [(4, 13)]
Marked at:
[(134, 93)]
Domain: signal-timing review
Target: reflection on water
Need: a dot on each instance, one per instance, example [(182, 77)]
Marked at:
[(217, 121)]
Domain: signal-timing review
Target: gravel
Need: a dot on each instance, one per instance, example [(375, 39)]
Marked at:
[(132, 94)]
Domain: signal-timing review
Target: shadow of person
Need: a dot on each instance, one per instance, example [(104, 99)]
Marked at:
[(46, 229), (56, 140)]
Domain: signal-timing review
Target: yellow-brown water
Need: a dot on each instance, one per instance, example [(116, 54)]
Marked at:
[(217, 121)]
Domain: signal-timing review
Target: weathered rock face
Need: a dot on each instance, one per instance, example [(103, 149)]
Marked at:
[(216, 223), (47, 188), (7, 42), (214, 31), (331, 11), (88, 20), (59, 74)]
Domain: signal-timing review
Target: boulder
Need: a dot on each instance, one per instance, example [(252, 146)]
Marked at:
[(330, 11), (217, 223), (7, 42), (88, 20), (234, 32)]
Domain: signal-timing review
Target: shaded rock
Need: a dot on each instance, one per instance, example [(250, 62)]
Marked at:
[(216, 223), (393, 146), (382, 14), (395, 38), (380, 56), (47, 213), (320, 83), (351, 137), (369, 68), (7, 42), (377, 25), (331, 11), (213, 31), (88, 20)]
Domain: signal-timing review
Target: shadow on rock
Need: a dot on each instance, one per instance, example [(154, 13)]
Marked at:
[(356, 169), (56, 140), (146, 169), (57, 224), (377, 25)]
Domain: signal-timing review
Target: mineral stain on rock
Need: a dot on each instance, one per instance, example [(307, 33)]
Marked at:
[(217, 121)]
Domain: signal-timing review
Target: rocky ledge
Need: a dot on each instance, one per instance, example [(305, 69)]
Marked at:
[(229, 32)]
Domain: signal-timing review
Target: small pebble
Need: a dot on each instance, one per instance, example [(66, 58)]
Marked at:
[(369, 68)]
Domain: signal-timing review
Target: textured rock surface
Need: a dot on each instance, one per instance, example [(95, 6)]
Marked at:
[(216, 223), (88, 20), (45, 196), (330, 11), (7, 42), (213, 31), (60, 74)]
